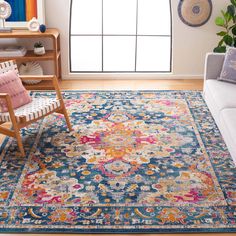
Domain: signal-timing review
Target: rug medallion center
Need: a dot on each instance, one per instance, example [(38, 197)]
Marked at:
[(148, 153)]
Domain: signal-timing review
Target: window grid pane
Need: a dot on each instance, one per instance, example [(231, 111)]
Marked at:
[(86, 51), (151, 47), (119, 17), (151, 53), (86, 19), (119, 53)]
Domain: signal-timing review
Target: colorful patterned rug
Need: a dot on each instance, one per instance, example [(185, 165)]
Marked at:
[(136, 162)]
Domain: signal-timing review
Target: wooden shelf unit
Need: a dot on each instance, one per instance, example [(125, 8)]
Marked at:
[(30, 56), (53, 55)]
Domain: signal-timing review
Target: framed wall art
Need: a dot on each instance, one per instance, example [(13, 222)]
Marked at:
[(23, 11)]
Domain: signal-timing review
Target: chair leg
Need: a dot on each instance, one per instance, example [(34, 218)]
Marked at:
[(67, 119), (19, 142), (16, 131), (18, 137)]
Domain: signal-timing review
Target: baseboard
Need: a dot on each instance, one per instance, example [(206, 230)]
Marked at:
[(130, 77)]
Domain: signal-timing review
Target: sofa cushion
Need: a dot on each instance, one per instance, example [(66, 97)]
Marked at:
[(228, 72), (211, 104), (223, 94), (228, 128)]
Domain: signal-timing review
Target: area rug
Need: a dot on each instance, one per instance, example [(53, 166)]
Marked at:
[(136, 162)]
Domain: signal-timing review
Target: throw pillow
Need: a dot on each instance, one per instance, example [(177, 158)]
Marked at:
[(11, 83), (228, 72)]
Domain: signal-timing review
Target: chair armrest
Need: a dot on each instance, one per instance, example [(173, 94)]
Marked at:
[(213, 65), (7, 98), (52, 78)]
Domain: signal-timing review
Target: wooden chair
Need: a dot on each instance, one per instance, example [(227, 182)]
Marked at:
[(29, 113)]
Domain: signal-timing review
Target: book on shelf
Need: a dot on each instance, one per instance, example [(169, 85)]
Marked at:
[(13, 51)]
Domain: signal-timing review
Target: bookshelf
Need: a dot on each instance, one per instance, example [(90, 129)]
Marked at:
[(53, 54)]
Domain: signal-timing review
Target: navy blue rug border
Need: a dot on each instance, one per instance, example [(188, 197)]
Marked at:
[(118, 231)]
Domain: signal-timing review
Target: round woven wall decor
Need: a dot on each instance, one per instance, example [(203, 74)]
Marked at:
[(195, 12)]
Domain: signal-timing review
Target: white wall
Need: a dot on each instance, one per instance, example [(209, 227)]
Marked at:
[(189, 44)]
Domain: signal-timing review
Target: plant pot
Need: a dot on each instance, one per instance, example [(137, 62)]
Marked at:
[(39, 51)]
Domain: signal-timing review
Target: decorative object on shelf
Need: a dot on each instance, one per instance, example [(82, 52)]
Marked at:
[(31, 68), (42, 28), (228, 28), (39, 49), (23, 11), (195, 13), (33, 25), (5, 13), (12, 51)]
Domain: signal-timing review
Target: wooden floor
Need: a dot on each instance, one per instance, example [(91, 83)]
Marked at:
[(140, 84), (125, 84)]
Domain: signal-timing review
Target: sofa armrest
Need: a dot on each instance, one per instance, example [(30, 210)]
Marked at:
[(213, 65)]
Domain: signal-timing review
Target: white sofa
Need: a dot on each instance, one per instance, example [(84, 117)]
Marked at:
[(221, 100)]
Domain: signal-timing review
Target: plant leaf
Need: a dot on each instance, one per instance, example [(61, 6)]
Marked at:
[(231, 10), (219, 21), (234, 30), (233, 2), (221, 42), (228, 40), (220, 49), (222, 33), (228, 17)]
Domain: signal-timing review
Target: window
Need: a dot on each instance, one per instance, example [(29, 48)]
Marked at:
[(120, 36)]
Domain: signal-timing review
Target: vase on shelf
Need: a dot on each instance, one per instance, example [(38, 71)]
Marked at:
[(39, 49)]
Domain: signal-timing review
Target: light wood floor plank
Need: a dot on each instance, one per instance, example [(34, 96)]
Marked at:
[(140, 84)]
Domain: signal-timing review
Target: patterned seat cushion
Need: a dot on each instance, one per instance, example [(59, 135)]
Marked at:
[(37, 108)]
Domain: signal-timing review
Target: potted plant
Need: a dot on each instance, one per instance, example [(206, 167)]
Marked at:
[(228, 24), (39, 49)]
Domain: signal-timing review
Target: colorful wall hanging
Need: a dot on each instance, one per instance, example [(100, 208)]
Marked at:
[(195, 13), (25, 10)]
